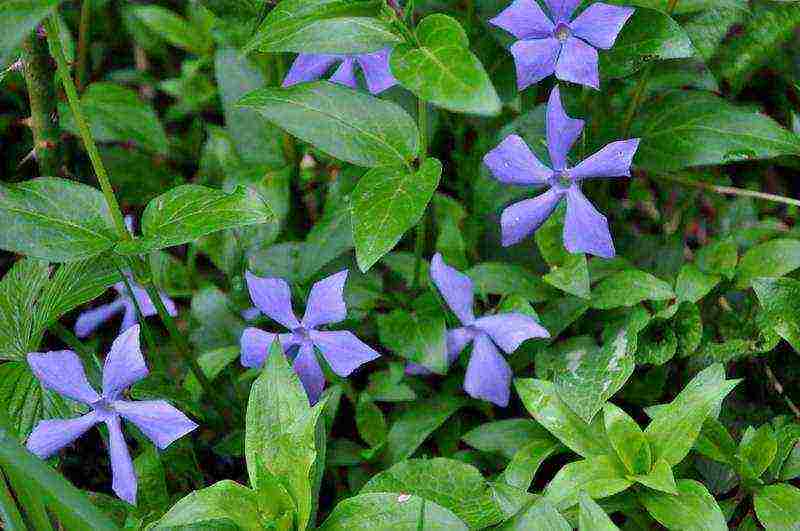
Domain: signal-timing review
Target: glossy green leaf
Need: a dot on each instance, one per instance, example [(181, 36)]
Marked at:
[(628, 288), (776, 506), (592, 517), (17, 19), (443, 71), (692, 509), (659, 478), (344, 123), (521, 470), (420, 338), (757, 449), (539, 514), (628, 439), (191, 211), (398, 511), (693, 128), (571, 277), (599, 477), (716, 443), (693, 284), (774, 258), (386, 203), (416, 424)]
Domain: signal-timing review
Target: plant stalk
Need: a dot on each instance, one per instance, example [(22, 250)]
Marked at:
[(729, 190), (419, 243), (83, 44), (38, 72)]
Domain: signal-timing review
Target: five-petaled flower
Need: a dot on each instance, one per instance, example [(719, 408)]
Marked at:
[(374, 66), (557, 43), (343, 351), (488, 374), (512, 162), (62, 372)]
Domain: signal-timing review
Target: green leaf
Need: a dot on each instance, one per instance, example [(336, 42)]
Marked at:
[(647, 36), (526, 462), (718, 258), (592, 517), (675, 427), (191, 211), (323, 26), (452, 484), (416, 423), (449, 215), (344, 123), (693, 128), (592, 377), (571, 277), (628, 439), (599, 477), (542, 402), (116, 114), (629, 288), (780, 298), (539, 514), (418, 337), (329, 238), (709, 29), (370, 421), (18, 18), (174, 29), (774, 258), (776, 506), (685, 6), (757, 449), (443, 71), (386, 203), (505, 437), (212, 363), (693, 284), (55, 219), (716, 443), (692, 509), (379, 511), (25, 401), (500, 278), (659, 478)]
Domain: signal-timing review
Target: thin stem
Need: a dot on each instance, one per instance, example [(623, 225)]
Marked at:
[(730, 190), (419, 243), (778, 387), (54, 40), (38, 71), (83, 43)]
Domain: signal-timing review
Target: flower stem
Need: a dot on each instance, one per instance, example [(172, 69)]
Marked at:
[(53, 38), (83, 43), (419, 243), (42, 94), (729, 190)]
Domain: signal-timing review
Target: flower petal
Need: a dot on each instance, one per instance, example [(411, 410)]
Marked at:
[(255, 344), (578, 63), (521, 219), (274, 298), (614, 160), (343, 351), (309, 67), (326, 301), (534, 59), (488, 374), (562, 131), (124, 364), (123, 475), (377, 74), (50, 436), (129, 317), (586, 229), (562, 9), (91, 320), (346, 74), (61, 371), (310, 373), (509, 330), (457, 340), (455, 287), (158, 419), (513, 162), (524, 19), (600, 24)]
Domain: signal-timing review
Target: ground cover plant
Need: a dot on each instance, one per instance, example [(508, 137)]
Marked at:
[(399, 265)]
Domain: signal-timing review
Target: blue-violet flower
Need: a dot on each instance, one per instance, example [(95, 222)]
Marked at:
[(374, 66)]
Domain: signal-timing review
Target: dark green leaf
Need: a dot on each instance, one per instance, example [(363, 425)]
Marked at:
[(499, 278), (401, 512), (417, 337), (505, 437), (415, 424), (18, 18), (774, 258), (693, 284), (757, 449), (693, 509), (540, 514), (628, 288)]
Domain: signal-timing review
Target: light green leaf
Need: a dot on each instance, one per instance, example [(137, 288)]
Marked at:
[(212, 362), (648, 35), (675, 427), (191, 211), (418, 337), (628, 439), (774, 258), (571, 277), (776, 507), (757, 449), (443, 71), (344, 123), (539, 515), (659, 478), (542, 402), (592, 517), (18, 18), (399, 511), (716, 443), (500, 278), (416, 424), (692, 509), (629, 288), (452, 484), (55, 219), (693, 284), (693, 128), (386, 203), (523, 466), (323, 26), (174, 29), (599, 477)]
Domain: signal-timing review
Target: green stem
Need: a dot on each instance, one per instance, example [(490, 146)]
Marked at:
[(11, 518), (38, 71), (729, 190), (53, 37), (83, 43), (148, 334), (419, 243)]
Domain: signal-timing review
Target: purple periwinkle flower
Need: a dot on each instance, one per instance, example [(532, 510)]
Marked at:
[(62, 372), (557, 43), (512, 162), (374, 66), (343, 351), (488, 374), (91, 320)]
